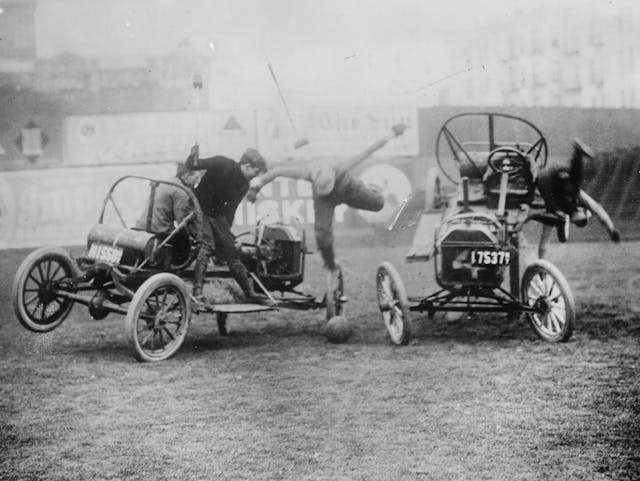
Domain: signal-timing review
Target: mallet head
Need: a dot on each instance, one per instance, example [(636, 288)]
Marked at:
[(300, 143)]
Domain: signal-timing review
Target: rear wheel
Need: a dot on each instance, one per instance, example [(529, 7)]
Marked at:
[(393, 304), (158, 317), (546, 289), (335, 297), (35, 301)]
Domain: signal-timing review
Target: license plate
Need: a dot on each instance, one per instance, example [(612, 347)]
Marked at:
[(490, 258), (104, 253)]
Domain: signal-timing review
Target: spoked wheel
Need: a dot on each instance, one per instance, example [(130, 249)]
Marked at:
[(35, 301), (393, 304), (545, 289), (335, 297), (158, 317)]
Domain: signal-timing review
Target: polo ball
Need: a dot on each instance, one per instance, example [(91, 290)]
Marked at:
[(338, 329)]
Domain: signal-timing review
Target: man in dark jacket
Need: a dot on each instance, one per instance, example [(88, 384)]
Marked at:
[(221, 188)]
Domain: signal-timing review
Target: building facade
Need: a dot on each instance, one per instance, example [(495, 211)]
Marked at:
[(584, 55)]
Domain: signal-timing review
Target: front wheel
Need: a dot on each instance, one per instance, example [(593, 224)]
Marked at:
[(546, 290), (36, 301), (158, 317), (393, 304)]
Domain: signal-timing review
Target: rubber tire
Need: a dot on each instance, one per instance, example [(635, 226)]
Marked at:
[(20, 279), (401, 336), (144, 291), (334, 307), (565, 290)]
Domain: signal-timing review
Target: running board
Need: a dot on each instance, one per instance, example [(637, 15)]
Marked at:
[(237, 308)]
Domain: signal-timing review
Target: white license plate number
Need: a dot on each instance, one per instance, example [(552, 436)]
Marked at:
[(104, 253), (490, 258)]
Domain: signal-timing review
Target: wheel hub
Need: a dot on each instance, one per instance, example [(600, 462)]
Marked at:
[(542, 305), (45, 293)]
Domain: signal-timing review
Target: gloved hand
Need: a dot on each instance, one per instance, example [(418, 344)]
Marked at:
[(252, 194), (398, 129), (255, 183)]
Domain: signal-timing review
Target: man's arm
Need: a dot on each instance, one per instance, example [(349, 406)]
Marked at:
[(194, 162), (293, 171), (354, 161), (181, 205)]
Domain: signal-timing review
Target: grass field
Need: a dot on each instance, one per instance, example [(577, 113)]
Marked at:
[(477, 398)]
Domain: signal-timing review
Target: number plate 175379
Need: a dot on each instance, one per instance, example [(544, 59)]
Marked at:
[(490, 258)]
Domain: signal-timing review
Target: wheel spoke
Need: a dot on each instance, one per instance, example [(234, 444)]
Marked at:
[(30, 277), (556, 322), (555, 293), (560, 308), (164, 328), (55, 273), (164, 301), (548, 285), (48, 269), (153, 339), (161, 338), (156, 300), (535, 285), (39, 266), (152, 310), (30, 300)]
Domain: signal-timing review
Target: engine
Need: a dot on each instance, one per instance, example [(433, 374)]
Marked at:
[(470, 253), (277, 257)]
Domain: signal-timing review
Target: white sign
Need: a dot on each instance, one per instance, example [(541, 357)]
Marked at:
[(59, 206), (155, 137), (337, 132)]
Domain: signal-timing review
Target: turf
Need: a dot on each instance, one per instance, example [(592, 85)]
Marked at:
[(477, 398)]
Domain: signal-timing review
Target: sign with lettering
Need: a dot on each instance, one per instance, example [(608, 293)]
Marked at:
[(155, 137), (337, 132), (59, 206)]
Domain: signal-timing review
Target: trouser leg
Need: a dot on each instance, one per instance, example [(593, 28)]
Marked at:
[(226, 251), (202, 260), (359, 195), (323, 227)]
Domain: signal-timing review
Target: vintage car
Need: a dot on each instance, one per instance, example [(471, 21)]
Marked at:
[(476, 243), (146, 276)]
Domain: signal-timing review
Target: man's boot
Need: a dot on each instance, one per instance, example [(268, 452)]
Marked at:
[(240, 274), (199, 270)]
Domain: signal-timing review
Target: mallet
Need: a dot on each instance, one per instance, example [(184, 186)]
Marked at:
[(300, 142), (197, 87)]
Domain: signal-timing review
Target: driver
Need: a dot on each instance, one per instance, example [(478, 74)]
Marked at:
[(222, 187), (332, 185), (171, 204)]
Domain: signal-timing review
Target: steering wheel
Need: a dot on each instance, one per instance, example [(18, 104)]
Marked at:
[(507, 160)]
